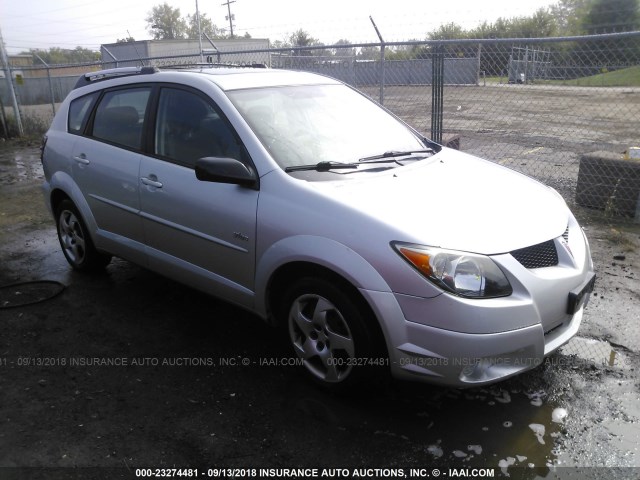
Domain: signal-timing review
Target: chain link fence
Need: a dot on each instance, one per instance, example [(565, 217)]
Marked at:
[(562, 110)]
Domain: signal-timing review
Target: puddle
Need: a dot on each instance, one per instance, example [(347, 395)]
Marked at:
[(509, 427), (42, 245), (15, 168), (593, 352), (491, 427)]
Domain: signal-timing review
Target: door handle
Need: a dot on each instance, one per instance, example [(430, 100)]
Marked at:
[(82, 158), (152, 181)]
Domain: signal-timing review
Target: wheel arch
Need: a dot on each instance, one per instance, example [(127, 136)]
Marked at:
[(291, 272), (63, 187), (291, 257), (57, 196)]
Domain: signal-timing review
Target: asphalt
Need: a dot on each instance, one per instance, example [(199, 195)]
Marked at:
[(127, 369)]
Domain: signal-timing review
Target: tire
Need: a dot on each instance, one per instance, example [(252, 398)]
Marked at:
[(75, 240), (333, 334)]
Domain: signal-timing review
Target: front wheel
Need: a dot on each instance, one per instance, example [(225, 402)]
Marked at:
[(75, 240), (332, 334)]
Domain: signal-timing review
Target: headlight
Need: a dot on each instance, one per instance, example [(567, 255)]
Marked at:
[(465, 274)]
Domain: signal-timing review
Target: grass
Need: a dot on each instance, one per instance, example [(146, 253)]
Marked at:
[(33, 126), (625, 77)]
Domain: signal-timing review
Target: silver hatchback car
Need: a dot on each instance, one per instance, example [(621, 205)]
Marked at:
[(298, 198)]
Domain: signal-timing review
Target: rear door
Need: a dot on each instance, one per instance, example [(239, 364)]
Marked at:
[(106, 165), (201, 233)]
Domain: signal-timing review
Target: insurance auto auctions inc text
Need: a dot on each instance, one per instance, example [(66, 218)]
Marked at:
[(374, 473)]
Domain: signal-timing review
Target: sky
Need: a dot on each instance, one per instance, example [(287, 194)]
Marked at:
[(27, 24)]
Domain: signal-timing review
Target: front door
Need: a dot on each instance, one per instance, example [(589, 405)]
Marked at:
[(201, 232)]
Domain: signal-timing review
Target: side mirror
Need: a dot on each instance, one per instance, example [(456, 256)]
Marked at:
[(225, 170)]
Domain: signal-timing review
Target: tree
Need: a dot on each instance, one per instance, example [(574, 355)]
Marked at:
[(280, 44), (541, 24), (59, 56), (611, 16), (206, 26), (302, 38), (346, 51), (126, 40), (568, 15), (369, 53), (401, 52), (447, 31), (164, 22)]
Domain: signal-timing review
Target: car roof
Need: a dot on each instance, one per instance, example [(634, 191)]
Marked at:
[(226, 78), (241, 78)]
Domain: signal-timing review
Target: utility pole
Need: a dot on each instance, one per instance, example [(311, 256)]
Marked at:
[(229, 16)]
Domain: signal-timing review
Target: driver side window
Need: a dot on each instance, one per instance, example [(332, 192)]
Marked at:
[(188, 127)]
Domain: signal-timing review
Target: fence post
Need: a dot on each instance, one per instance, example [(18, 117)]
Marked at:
[(479, 63), (53, 101), (437, 93), (110, 54), (12, 92), (382, 48)]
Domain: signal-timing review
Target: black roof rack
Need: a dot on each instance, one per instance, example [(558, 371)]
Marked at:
[(91, 77), (181, 66)]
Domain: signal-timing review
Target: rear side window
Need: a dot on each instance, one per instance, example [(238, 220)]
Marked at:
[(79, 112), (120, 115)]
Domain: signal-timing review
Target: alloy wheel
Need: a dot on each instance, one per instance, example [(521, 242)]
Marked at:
[(321, 338)]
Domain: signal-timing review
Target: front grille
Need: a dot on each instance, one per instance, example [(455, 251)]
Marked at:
[(537, 256), (565, 235)]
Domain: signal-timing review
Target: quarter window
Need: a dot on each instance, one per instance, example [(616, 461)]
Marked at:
[(79, 112), (188, 127), (119, 117)]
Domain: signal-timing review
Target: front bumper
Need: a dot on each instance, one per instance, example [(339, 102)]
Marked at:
[(435, 355), (461, 342)]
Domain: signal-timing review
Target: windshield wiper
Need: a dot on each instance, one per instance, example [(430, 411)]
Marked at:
[(321, 166), (392, 154)]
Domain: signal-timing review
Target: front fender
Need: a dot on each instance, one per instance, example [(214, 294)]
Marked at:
[(320, 251)]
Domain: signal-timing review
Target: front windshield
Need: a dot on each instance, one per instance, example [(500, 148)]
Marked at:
[(308, 124)]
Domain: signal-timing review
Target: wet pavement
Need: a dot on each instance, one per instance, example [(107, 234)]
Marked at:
[(128, 369)]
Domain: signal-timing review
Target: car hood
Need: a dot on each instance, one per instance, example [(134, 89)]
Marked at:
[(457, 201)]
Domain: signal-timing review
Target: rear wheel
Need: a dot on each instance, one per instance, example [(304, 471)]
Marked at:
[(332, 334), (75, 241)]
